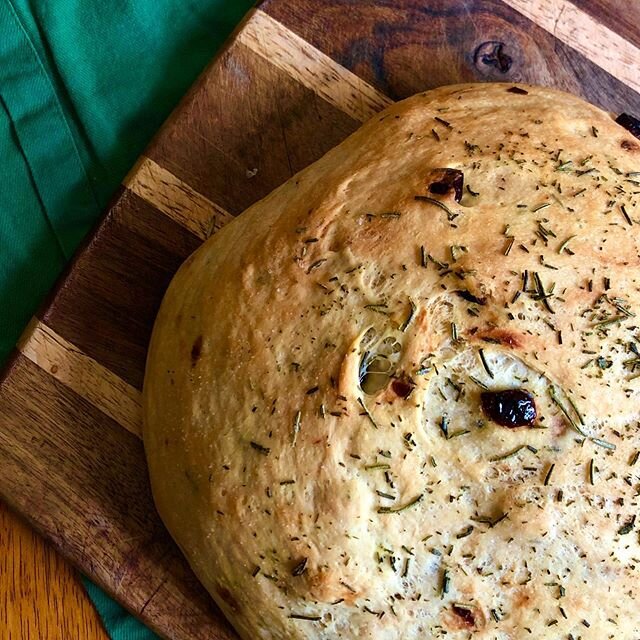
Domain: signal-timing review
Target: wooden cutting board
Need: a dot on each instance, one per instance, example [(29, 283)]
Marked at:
[(294, 80)]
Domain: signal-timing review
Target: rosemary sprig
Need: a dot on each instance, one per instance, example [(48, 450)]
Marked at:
[(402, 507), (423, 257), (565, 244), (513, 452), (575, 408), (567, 415), (450, 214), (511, 240), (603, 443), (627, 527), (547, 476), (444, 426), (265, 451), (316, 264), (412, 312), (481, 384), (366, 411), (302, 616), (485, 364), (610, 321), (460, 432), (492, 522), (300, 568), (444, 585), (541, 293), (296, 427), (443, 122)]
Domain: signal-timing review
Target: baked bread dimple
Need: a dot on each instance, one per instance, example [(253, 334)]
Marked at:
[(398, 397)]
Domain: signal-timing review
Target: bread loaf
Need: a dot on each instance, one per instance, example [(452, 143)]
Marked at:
[(398, 397)]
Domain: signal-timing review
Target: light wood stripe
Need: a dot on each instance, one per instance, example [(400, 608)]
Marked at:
[(311, 68), (175, 198), (586, 35), (83, 375)]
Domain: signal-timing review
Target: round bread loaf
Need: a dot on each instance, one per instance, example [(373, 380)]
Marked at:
[(398, 397)]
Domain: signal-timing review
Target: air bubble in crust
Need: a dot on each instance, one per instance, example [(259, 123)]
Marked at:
[(378, 361)]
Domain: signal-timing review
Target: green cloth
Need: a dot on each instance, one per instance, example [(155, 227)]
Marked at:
[(119, 623), (84, 84)]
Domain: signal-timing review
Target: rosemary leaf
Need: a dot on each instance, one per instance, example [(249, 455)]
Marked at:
[(401, 507)]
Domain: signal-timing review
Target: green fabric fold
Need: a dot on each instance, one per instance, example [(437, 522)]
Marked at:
[(84, 84)]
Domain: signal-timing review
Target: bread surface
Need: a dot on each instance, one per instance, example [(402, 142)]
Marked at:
[(313, 409)]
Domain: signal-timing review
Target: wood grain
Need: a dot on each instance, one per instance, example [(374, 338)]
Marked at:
[(620, 16), (414, 45), (586, 34), (41, 596), (311, 68), (107, 303), (285, 126), (90, 474), (83, 375), (294, 80), (175, 198)]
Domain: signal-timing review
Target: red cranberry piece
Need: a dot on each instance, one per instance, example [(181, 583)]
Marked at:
[(509, 408), (442, 181), (466, 615), (402, 387)]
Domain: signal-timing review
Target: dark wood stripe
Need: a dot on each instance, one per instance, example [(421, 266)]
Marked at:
[(107, 302), (286, 128), (48, 455), (415, 47), (621, 16)]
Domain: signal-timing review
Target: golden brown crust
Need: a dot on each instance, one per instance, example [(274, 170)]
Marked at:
[(312, 508)]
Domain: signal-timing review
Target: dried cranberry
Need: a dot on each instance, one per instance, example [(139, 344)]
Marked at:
[(510, 408), (402, 387), (443, 180), (466, 615)]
